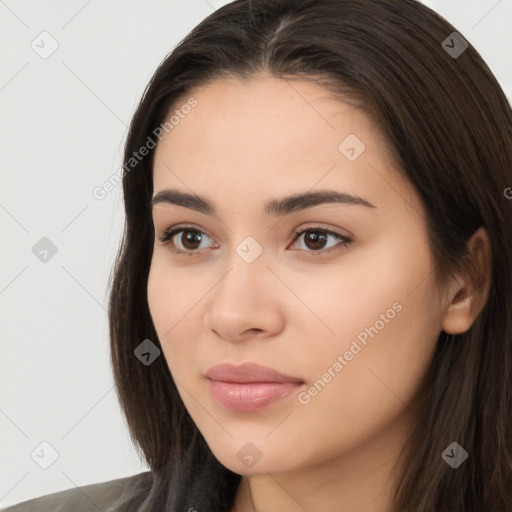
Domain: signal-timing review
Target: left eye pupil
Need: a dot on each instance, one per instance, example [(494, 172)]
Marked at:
[(190, 237), (315, 237)]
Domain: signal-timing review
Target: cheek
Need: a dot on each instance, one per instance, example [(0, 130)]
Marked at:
[(173, 296), (160, 299), (375, 381), (384, 316), (364, 290), (171, 292), (164, 307)]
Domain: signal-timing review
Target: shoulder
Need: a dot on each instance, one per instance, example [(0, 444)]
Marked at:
[(103, 496)]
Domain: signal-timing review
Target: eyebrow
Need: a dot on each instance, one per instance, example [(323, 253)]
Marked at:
[(286, 205)]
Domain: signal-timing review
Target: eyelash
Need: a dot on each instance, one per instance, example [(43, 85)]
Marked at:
[(171, 232)]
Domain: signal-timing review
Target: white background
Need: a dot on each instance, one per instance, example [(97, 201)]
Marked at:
[(63, 123)]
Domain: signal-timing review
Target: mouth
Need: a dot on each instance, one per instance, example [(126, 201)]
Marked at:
[(249, 387)]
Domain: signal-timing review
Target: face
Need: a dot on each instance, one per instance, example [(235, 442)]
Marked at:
[(347, 309)]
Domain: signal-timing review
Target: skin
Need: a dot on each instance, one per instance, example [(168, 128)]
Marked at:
[(294, 309)]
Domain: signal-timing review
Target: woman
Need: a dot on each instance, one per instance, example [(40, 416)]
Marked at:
[(311, 308)]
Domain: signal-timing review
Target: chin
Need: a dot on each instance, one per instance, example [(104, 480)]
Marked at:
[(251, 458)]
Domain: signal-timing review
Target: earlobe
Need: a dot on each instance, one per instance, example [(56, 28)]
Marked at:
[(469, 294)]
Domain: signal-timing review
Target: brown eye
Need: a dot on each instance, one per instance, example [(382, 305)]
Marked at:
[(316, 238), (184, 240), (190, 239)]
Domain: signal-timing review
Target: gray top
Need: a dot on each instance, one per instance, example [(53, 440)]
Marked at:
[(100, 497), (200, 483)]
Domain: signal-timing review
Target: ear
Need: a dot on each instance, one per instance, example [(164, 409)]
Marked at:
[(469, 294)]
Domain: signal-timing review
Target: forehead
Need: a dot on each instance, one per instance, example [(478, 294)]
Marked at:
[(264, 136)]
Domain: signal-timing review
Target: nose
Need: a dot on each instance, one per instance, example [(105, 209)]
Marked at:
[(245, 302)]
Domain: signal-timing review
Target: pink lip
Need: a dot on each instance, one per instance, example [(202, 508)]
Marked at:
[(249, 387)]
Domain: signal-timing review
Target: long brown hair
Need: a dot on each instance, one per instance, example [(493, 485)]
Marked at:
[(450, 125)]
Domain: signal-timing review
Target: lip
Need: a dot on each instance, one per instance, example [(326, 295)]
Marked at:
[(249, 386), (247, 373)]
